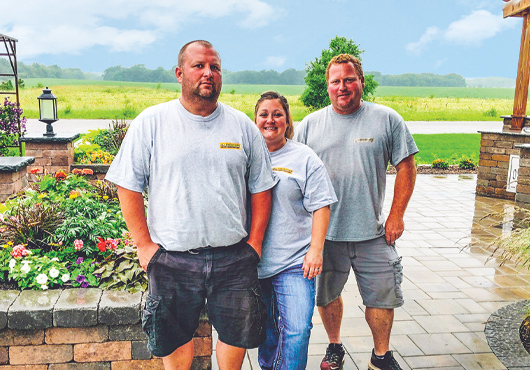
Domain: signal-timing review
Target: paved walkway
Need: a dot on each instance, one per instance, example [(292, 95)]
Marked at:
[(449, 292)]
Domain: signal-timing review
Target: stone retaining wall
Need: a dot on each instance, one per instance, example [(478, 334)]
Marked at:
[(81, 329), (13, 177)]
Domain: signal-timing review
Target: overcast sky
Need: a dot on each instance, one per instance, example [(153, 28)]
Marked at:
[(468, 37)]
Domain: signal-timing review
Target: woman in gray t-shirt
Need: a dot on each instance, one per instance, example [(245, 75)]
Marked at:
[(293, 243)]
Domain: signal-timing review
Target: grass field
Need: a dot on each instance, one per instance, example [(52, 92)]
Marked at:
[(91, 99), (450, 147)]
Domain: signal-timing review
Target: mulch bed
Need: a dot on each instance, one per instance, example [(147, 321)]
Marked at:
[(426, 169)]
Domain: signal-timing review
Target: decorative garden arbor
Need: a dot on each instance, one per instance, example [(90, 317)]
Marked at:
[(11, 54), (520, 8)]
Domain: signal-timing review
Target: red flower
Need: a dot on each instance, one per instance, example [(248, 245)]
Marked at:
[(76, 171), (102, 245), (60, 175), (87, 171), (35, 170)]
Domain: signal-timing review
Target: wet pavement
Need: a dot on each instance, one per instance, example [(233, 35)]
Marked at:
[(450, 286)]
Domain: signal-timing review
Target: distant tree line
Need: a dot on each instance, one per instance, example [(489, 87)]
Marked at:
[(290, 76), (36, 70), (139, 73), (265, 77), (419, 79)]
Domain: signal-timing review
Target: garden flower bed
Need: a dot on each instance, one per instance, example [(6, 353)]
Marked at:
[(64, 231), (67, 231)]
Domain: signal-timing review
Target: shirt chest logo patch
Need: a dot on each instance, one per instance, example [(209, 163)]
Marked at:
[(236, 146), (282, 169), (364, 140)]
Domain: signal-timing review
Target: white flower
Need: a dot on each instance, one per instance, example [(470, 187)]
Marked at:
[(55, 259), (65, 278), (42, 279), (12, 264), (26, 262), (25, 268), (44, 287), (54, 272)]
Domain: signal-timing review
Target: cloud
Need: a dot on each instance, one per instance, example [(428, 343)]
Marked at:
[(431, 34), (439, 63), (120, 25), (470, 30), (275, 62)]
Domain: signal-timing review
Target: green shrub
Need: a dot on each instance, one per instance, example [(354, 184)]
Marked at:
[(440, 164), (7, 86), (467, 164), (110, 140), (491, 113)]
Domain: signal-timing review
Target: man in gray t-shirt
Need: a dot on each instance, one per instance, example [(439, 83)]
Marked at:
[(199, 159), (356, 141)]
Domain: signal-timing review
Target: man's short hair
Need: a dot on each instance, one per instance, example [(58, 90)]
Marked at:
[(182, 51), (346, 58)]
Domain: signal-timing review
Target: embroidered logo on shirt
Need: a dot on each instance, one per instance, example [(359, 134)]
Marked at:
[(230, 146), (364, 140), (282, 169)]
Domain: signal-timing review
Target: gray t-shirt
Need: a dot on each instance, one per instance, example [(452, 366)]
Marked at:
[(356, 150), (304, 187), (197, 170)]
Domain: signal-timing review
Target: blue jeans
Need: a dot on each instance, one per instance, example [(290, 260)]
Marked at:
[(290, 300)]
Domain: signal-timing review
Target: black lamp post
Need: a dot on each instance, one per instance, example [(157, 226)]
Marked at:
[(48, 110)]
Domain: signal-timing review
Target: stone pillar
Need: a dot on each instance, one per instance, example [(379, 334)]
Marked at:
[(13, 175), (522, 198), (52, 154), (494, 161)]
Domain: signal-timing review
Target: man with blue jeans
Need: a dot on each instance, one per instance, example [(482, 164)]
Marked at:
[(198, 158), (356, 140)]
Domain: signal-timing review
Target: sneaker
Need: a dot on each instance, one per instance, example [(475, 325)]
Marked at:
[(334, 358), (388, 363)]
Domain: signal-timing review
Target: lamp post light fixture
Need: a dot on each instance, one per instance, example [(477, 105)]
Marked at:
[(48, 110)]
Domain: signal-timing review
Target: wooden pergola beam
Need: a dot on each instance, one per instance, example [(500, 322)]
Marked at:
[(515, 8)]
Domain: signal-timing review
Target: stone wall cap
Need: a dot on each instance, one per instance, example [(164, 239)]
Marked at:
[(32, 309), (96, 167), (77, 308), (119, 308), (507, 133), (522, 146), (7, 297), (13, 164), (62, 137)]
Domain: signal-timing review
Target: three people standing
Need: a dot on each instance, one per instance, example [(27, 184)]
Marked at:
[(199, 157)]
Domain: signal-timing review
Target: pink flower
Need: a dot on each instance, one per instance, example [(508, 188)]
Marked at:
[(78, 244), (19, 251)]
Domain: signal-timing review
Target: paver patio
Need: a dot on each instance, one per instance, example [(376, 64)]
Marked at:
[(449, 292)]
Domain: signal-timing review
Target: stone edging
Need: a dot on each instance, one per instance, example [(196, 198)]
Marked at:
[(82, 329), (502, 333), (32, 309)]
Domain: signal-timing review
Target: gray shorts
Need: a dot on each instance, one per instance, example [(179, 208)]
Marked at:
[(377, 268)]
